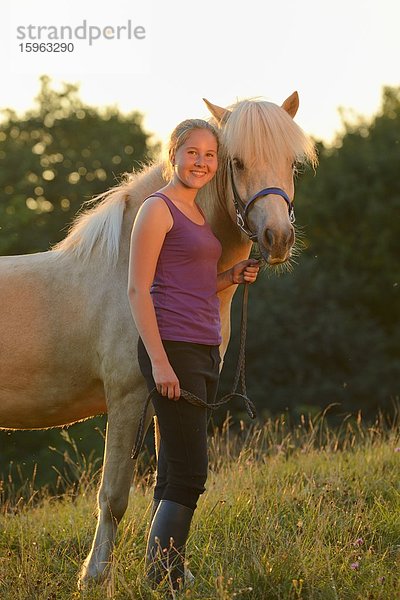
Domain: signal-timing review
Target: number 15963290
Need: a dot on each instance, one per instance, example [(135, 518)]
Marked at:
[(46, 47)]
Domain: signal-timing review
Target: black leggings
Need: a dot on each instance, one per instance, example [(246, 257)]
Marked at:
[(183, 459)]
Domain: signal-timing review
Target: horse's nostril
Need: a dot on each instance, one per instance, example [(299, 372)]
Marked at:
[(275, 239), (269, 235)]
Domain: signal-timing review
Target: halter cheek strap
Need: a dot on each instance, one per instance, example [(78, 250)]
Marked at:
[(242, 209)]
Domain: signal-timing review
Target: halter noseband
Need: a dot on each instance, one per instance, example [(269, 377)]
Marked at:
[(242, 209)]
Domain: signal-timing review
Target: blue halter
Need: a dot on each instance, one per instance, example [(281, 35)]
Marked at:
[(242, 209)]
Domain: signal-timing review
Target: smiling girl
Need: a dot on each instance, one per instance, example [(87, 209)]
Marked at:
[(172, 290)]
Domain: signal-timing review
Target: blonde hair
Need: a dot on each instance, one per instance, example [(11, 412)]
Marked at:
[(259, 132), (179, 136)]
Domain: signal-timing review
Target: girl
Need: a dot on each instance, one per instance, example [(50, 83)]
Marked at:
[(173, 287)]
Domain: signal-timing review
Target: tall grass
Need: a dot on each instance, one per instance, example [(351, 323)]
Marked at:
[(299, 511)]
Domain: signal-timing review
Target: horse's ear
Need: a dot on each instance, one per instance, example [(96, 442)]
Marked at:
[(220, 114), (291, 104)]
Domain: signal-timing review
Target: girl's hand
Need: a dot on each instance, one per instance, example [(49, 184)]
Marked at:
[(166, 381), (245, 271)]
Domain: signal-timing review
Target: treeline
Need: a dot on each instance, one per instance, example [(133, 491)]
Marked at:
[(326, 333), (57, 156)]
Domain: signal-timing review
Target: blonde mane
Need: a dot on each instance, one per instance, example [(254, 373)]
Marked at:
[(101, 221), (259, 132)]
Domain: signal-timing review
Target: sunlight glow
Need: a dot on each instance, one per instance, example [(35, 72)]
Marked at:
[(335, 55)]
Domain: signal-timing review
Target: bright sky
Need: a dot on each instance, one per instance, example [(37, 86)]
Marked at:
[(335, 54)]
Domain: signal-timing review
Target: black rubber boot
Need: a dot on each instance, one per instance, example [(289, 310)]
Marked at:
[(165, 554)]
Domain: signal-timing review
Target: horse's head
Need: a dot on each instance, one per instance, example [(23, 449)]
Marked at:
[(261, 147)]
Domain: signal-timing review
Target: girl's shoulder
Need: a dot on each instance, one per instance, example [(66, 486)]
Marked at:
[(156, 201), (155, 211)]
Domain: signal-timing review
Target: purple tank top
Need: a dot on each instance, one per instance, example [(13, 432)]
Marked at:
[(184, 289)]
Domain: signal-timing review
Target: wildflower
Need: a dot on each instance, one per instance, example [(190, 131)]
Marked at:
[(359, 542), (397, 449), (355, 566)]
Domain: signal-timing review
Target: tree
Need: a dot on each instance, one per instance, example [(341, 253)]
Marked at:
[(57, 156), (352, 220)]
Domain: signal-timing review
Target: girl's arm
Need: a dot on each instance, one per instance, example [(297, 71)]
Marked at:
[(152, 223), (245, 271)]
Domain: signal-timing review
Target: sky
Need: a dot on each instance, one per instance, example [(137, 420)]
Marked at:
[(335, 54)]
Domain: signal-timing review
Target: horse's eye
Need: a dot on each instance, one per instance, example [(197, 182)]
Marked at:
[(238, 164), (297, 168)]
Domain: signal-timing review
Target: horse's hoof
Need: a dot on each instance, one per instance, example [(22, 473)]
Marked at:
[(87, 580)]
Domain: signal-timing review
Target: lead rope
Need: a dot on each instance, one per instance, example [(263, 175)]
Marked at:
[(240, 377)]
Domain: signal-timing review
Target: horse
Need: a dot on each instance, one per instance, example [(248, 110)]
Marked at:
[(68, 341)]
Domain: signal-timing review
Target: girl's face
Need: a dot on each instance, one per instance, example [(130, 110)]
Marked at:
[(195, 161)]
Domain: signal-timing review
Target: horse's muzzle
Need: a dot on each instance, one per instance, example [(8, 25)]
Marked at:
[(276, 245)]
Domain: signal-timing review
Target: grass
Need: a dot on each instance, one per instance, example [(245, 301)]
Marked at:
[(291, 512)]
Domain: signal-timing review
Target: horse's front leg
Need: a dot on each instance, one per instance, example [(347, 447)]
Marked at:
[(123, 419)]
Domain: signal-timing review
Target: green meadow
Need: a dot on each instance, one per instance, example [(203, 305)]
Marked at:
[(300, 511)]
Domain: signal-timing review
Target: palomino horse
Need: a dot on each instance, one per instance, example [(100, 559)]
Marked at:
[(68, 341)]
